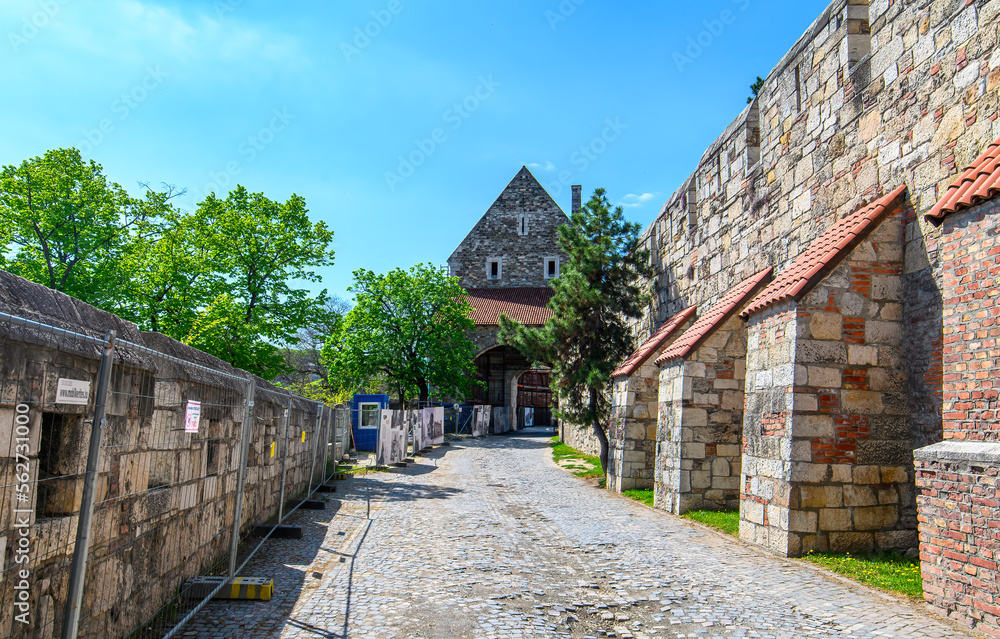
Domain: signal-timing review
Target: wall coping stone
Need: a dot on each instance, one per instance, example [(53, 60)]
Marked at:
[(983, 452)]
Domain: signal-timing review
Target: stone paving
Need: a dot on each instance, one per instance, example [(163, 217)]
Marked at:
[(488, 538)]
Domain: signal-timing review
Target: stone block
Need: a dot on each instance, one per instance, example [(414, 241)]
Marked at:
[(810, 473), (693, 451), (834, 519), (863, 402), (861, 355), (896, 539), (694, 417), (867, 475), (842, 542), (804, 521), (813, 426), (875, 517), (895, 475), (826, 326), (820, 496), (855, 495), (824, 377), (721, 467)]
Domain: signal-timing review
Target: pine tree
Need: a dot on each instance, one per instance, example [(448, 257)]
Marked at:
[(598, 291)]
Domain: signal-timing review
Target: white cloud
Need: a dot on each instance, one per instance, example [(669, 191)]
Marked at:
[(632, 200), (548, 166)]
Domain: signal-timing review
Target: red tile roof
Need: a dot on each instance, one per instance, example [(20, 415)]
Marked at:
[(825, 253), (979, 182), (708, 323), (521, 304), (657, 339)]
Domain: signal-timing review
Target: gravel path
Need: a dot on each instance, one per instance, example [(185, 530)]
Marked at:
[(488, 538)]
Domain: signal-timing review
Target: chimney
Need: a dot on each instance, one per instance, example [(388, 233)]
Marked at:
[(577, 197)]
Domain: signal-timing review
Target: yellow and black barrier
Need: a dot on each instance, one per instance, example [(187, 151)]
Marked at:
[(254, 588)]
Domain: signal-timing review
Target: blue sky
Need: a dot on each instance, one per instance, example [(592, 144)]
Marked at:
[(398, 121)]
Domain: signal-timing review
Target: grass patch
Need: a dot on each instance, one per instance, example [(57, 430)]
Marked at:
[(894, 573), (728, 521), (644, 496), (580, 464)]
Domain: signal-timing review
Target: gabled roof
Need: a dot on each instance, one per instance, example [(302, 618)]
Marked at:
[(825, 253), (979, 182), (708, 323), (526, 305), (657, 339)]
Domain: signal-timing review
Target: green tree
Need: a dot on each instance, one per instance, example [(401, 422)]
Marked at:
[(597, 293), (257, 247), (755, 88), (408, 329), (67, 227)]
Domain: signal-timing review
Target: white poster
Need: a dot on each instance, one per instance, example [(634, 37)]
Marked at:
[(529, 417), (72, 391), (192, 417)]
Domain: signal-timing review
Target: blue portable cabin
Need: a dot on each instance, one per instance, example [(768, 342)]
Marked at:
[(365, 411)]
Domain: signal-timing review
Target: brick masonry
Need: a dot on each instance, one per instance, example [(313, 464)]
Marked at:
[(826, 436)]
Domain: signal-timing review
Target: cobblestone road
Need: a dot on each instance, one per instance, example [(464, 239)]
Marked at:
[(488, 538)]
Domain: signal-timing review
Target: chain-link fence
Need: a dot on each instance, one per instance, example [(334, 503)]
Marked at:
[(131, 463)]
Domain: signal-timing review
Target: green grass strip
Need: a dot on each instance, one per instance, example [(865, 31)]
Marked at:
[(644, 496), (728, 521), (590, 466), (890, 572)]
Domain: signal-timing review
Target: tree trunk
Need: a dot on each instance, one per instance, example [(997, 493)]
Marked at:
[(425, 391), (602, 437)]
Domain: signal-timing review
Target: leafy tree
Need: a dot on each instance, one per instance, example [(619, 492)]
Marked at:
[(257, 246), (67, 227), (755, 88), (407, 329), (597, 292)]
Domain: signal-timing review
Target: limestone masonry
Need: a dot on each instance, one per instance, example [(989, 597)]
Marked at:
[(876, 342)]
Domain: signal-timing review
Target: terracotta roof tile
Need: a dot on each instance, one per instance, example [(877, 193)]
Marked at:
[(825, 253), (708, 323), (657, 339), (979, 182), (521, 304)]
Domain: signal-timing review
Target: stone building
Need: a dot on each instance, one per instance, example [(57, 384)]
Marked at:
[(875, 340), (505, 264)]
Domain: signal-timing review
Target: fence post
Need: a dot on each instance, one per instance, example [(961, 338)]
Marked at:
[(312, 462), (331, 429), (234, 546), (284, 458), (78, 569)]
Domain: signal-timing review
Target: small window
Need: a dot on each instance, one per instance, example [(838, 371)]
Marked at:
[(522, 224), (494, 269), (798, 90), (551, 267), (370, 415)]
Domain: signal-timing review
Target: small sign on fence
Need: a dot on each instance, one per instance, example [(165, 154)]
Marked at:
[(192, 417), (72, 391)]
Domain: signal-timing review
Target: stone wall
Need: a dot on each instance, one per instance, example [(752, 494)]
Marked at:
[(632, 436), (845, 447), (499, 234), (701, 418), (165, 499)]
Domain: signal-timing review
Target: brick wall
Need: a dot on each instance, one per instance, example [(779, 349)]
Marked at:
[(960, 531)]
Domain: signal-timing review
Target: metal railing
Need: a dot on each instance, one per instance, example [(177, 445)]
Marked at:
[(125, 471)]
